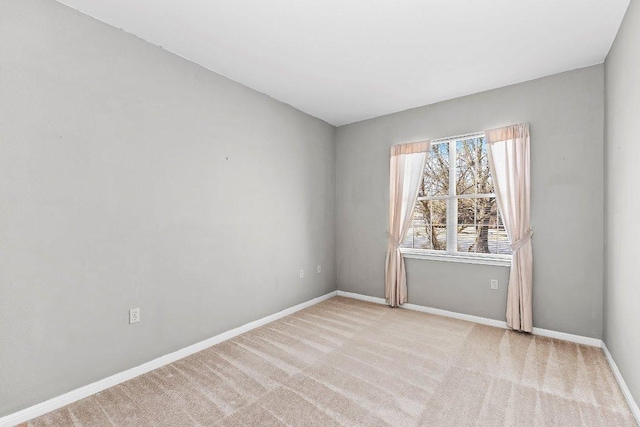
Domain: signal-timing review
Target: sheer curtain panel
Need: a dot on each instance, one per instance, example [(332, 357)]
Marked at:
[(406, 168), (509, 163)]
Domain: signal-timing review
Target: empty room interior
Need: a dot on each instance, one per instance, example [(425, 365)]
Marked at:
[(319, 213)]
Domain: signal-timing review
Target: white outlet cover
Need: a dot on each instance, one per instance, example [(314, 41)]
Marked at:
[(319, 269), (134, 315), (301, 274), (494, 284)]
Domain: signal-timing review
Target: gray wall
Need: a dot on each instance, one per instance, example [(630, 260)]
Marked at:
[(116, 192), (565, 112), (622, 204)]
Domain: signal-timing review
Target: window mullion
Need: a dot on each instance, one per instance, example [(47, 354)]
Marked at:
[(452, 203)]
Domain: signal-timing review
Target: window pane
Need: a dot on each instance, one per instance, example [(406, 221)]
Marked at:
[(428, 227), (480, 229), (501, 238), (435, 180), (472, 167)]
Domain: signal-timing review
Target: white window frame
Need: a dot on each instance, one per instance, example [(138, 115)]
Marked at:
[(451, 254)]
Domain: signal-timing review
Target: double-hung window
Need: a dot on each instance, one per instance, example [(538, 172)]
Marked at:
[(456, 216)]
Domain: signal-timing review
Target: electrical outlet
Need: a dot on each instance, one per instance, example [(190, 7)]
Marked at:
[(494, 284), (319, 269), (134, 315), (301, 274)]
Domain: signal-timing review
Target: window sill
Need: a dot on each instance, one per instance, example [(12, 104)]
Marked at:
[(500, 260)]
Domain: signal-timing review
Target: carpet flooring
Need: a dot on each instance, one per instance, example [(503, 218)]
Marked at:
[(345, 362)]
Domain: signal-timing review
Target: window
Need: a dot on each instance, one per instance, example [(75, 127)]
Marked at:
[(456, 215)]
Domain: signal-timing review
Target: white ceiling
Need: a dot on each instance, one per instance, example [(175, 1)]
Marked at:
[(349, 60)]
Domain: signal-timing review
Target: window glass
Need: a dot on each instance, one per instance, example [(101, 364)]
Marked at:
[(468, 213)]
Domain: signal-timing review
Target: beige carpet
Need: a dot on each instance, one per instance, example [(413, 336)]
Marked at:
[(351, 363)]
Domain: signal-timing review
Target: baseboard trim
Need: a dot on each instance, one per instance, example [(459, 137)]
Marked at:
[(580, 339), (594, 342), (633, 405), (362, 297), (93, 388), (455, 315)]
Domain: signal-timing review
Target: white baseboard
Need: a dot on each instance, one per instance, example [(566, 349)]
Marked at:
[(93, 388), (623, 385), (362, 297), (594, 342), (453, 314)]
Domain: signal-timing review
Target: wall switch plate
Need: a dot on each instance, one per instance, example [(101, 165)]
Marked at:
[(134, 315), (494, 284), (319, 269), (301, 273)]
